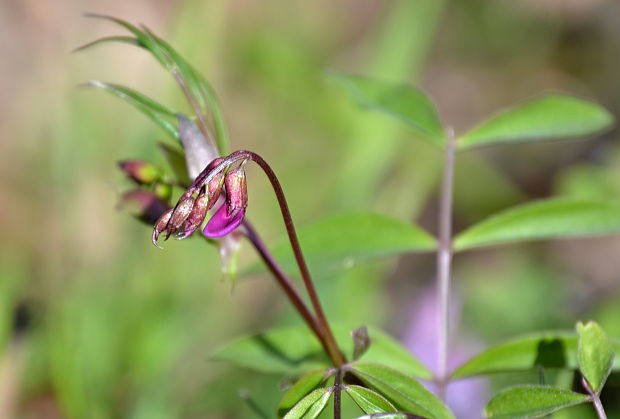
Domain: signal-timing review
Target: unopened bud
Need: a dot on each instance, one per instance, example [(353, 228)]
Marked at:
[(141, 172), (236, 190), (180, 214), (197, 215), (160, 226), (144, 205), (214, 187)]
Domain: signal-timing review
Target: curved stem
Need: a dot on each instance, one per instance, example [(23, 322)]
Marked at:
[(332, 347), (444, 264), (284, 281)]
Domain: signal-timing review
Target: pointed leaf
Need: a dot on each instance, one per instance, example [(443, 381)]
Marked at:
[(121, 39), (300, 389), (339, 241), (552, 117), (403, 391), (531, 402), (311, 406), (401, 101), (368, 400), (553, 349), (595, 354), (293, 349), (394, 415), (547, 219), (155, 111)]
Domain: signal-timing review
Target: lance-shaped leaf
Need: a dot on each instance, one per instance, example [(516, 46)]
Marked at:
[(595, 354), (553, 349), (547, 219), (293, 349), (369, 401), (157, 112), (300, 389), (401, 101), (531, 402), (311, 406), (401, 390), (340, 241), (392, 415), (551, 117)]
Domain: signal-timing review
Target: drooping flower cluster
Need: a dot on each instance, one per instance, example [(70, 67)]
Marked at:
[(192, 207)]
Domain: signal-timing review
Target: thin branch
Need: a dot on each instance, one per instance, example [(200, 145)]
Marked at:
[(338, 393), (444, 264)]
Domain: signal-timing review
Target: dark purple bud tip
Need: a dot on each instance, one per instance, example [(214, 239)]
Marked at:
[(223, 223), (141, 172), (160, 226)]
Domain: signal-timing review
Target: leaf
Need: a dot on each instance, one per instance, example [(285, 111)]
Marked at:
[(121, 39), (531, 402), (554, 349), (403, 391), (401, 101), (197, 87), (152, 109), (551, 117), (368, 400), (595, 354), (310, 406), (546, 219), (394, 415), (340, 241), (199, 151), (176, 160), (300, 389), (293, 349)]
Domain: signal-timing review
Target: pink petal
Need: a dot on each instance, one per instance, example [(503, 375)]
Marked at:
[(221, 223)]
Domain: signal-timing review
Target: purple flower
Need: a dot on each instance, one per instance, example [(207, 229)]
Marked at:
[(191, 209)]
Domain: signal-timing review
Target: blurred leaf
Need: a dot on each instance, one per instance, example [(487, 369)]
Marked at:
[(531, 402), (300, 389), (400, 389), (340, 241), (368, 400), (552, 117), (595, 354), (310, 406), (106, 39), (555, 349), (401, 101), (395, 415), (176, 160), (552, 218), (293, 349), (198, 89), (155, 111), (199, 151)]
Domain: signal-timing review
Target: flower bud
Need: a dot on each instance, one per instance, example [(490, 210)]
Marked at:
[(144, 205), (180, 214), (141, 172), (214, 187), (163, 191), (197, 215), (236, 190), (160, 226)]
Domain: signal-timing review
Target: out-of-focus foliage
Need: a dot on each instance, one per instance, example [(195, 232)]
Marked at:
[(118, 329)]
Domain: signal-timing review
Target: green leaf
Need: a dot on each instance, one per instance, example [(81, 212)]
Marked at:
[(198, 89), (293, 349), (340, 241), (121, 39), (401, 101), (547, 219), (531, 402), (553, 349), (551, 117), (403, 391), (300, 389), (310, 406), (395, 415), (368, 400), (176, 160), (595, 354), (155, 111)]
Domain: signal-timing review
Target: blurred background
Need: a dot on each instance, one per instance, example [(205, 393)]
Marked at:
[(97, 323)]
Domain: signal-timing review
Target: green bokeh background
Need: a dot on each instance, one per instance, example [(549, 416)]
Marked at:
[(119, 329)]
